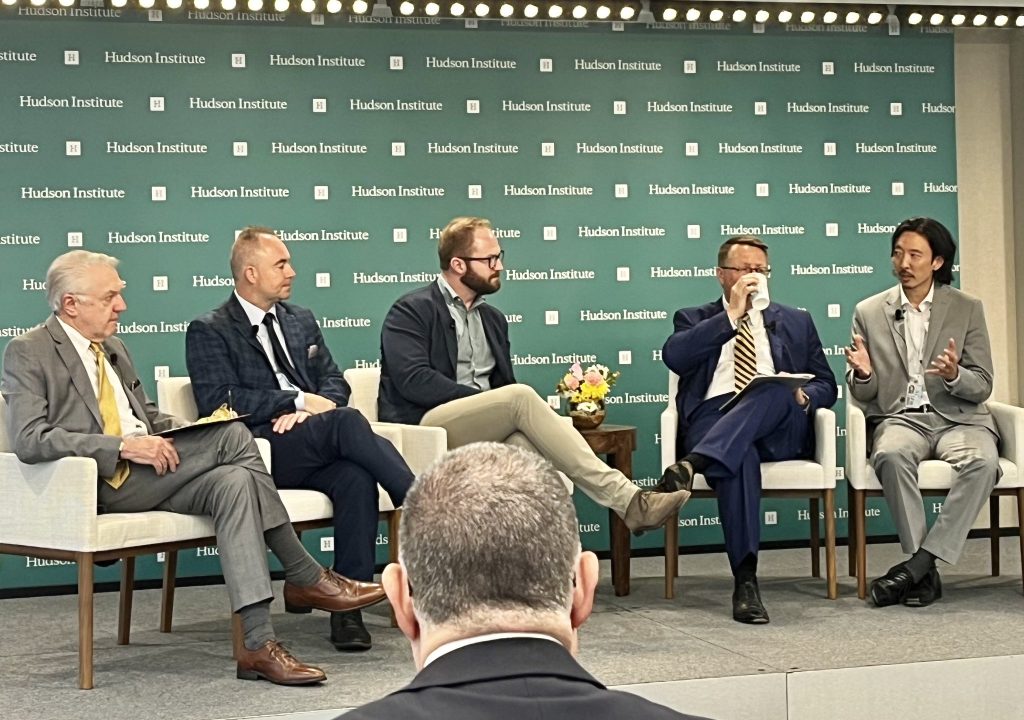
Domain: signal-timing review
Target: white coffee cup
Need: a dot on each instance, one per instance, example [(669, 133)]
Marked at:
[(759, 299)]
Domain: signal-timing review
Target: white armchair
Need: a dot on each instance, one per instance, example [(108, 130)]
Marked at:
[(49, 510), (812, 479), (934, 477)]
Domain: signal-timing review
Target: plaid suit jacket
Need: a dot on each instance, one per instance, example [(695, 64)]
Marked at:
[(223, 354)]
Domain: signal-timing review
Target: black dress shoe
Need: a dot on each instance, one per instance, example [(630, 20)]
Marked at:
[(746, 603), (677, 476), (893, 587), (925, 592), (348, 634)]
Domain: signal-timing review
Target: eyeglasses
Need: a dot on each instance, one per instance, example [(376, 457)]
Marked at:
[(491, 260), (766, 271)]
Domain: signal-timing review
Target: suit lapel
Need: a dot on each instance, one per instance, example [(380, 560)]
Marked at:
[(73, 362), (444, 317), (294, 341), (770, 318), (896, 327), (242, 326), (936, 325), (137, 408)]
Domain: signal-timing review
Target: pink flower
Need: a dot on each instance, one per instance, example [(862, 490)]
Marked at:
[(593, 377), (576, 371), (570, 382)]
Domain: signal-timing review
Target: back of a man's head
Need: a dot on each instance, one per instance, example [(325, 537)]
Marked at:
[(489, 536)]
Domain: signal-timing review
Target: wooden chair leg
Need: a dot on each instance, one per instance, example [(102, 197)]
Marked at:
[(124, 613), (671, 555), (85, 615), (1020, 528), (394, 519), (812, 507), (620, 548), (860, 506), (830, 545), (167, 593), (993, 532), (851, 533)]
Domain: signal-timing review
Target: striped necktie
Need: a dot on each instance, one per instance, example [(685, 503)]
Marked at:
[(744, 355), (108, 413)]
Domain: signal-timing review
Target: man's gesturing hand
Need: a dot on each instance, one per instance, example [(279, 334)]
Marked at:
[(857, 358)]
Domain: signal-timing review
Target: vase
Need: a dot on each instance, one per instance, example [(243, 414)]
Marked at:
[(587, 419)]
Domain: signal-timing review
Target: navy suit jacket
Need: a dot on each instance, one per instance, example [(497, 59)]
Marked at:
[(419, 355), (509, 679), (700, 332), (222, 354)]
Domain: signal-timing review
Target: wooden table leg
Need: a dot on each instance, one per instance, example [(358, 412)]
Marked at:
[(620, 548)]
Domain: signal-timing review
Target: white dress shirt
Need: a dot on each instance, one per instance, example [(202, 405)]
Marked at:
[(256, 316), (915, 333), (456, 644), (130, 425), (724, 380)]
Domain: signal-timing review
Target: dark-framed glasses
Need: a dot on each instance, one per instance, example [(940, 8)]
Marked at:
[(766, 271), (491, 260)]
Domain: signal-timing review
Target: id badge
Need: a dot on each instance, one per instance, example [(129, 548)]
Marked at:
[(915, 392)]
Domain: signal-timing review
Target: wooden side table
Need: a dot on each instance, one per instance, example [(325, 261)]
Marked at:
[(616, 443)]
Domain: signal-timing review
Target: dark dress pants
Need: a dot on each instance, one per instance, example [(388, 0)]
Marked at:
[(765, 426), (338, 454)]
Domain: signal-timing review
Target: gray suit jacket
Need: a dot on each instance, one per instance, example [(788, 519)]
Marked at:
[(954, 314), (52, 409)]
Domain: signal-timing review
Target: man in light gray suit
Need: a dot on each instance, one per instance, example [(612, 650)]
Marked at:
[(72, 391), (921, 366)]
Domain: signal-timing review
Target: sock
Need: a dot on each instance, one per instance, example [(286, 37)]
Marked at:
[(299, 566), (746, 569), (256, 627), (699, 462), (920, 564)]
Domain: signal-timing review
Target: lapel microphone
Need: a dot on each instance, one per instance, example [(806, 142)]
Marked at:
[(898, 317), (113, 359), (770, 327)]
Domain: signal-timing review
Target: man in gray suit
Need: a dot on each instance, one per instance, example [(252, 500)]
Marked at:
[(921, 366), (72, 391)]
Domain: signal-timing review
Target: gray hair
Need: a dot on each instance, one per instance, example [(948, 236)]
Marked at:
[(68, 272), (488, 529)]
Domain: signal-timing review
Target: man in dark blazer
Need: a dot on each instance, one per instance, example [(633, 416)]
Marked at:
[(72, 391), (921, 366), (267, 359), (446, 362), (716, 349), (492, 613)]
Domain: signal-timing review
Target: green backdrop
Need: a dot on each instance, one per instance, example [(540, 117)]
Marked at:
[(613, 164)]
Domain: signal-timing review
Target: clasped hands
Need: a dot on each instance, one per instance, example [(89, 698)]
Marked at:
[(946, 364)]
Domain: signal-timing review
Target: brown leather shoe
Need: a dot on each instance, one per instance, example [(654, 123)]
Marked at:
[(333, 593), (272, 662), (648, 510)]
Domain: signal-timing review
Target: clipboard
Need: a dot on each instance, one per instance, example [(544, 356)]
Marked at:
[(792, 381), (198, 425)]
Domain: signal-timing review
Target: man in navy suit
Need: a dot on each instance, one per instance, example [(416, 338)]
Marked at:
[(267, 358), (492, 609), (716, 348)]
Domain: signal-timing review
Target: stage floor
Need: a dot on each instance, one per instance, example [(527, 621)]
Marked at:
[(961, 658)]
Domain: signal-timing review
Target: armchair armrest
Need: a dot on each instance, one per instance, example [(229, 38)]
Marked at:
[(420, 445), (1010, 421), (825, 443), (856, 445), (49, 504)]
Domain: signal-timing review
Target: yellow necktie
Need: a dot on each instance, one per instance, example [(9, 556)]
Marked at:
[(108, 414)]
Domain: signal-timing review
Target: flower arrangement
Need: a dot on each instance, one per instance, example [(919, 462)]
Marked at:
[(586, 389)]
